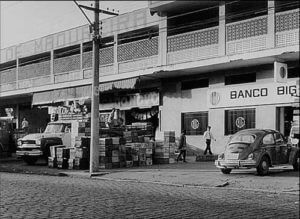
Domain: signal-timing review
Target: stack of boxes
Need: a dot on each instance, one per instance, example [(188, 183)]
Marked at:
[(105, 153), (72, 158), (165, 151)]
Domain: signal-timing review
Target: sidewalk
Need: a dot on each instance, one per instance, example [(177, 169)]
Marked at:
[(195, 174)]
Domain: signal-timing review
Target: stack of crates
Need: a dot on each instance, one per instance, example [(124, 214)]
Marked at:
[(79, 130), (149, 153), (62, 155), (142, 154), (52, 160), (105, 153), (122, 154), (169, 141)]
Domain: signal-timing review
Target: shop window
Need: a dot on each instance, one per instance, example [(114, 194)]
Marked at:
[(240, 79), (194, 123), (236, 120), (200, 83)]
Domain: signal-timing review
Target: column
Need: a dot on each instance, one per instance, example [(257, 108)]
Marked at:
[(222, 29), (52, 66), (162, 40), (17, 73), (271, 24), (116, 64), (81, 60)]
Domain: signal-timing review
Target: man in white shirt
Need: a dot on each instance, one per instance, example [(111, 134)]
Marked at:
[(208, 136)]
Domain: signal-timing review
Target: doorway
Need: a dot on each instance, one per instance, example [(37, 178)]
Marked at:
[(284, 118)]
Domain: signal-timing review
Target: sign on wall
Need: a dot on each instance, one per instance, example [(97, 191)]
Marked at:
[(135, 100), (253, 94)]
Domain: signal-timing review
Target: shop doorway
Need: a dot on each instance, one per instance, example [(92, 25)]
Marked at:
[(284, 118)]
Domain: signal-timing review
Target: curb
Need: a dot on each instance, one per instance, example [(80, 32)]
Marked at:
[(222, 187)]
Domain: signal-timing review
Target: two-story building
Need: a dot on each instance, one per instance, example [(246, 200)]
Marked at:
[(178, 64)]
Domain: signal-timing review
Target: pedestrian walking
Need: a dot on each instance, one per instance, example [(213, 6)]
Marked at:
[(182, 146), (208, 136), (25, 125)]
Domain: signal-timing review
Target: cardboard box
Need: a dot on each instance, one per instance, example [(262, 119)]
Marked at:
[(53, 150), (52, 162)]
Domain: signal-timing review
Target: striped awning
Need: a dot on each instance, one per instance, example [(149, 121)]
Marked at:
[(60, 95), (79, 93), (125, 84)]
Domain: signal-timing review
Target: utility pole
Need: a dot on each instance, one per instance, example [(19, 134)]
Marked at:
[(94, 151), (94, 146)]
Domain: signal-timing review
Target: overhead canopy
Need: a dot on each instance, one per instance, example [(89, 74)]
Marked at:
[(84, 92), (60, 95), (129, 83)]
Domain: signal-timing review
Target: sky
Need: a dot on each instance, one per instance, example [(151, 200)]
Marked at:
[(22, 21)]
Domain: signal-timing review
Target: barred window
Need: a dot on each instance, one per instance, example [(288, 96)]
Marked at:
[(194, 123), (236, 120)]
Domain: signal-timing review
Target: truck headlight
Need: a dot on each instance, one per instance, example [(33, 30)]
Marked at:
[(221, 156), (250, 156), (19, 143), (38, 142)]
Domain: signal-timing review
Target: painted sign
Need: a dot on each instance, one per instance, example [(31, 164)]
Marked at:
[(130, 101), (253, 94), (118, 24)]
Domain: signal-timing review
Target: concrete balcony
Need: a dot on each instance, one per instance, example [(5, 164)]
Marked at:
[(246, 39)]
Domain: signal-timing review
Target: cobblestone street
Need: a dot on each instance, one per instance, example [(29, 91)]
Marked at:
[(35, 196)]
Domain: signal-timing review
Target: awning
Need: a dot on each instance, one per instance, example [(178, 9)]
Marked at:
[(129, 83), (60, 95), (84, 92)]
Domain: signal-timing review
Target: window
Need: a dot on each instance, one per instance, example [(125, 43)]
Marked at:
[(278, 138), (293, 72), (194, 123), (200, 83), (236, 120), (268, 139), (240, 79)]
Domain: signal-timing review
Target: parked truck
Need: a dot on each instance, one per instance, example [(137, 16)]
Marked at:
[(34, 146)]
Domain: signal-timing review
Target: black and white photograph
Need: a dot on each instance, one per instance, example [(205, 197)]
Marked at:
[(149, 109)]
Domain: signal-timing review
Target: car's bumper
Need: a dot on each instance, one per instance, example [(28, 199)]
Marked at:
[(33, 153), (235, 164)]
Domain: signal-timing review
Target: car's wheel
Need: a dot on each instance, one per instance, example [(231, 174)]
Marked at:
[(30, 160), (263, 167), (226, 171), (296, 163)]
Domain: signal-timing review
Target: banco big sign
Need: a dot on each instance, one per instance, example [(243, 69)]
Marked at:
[(254, 94)]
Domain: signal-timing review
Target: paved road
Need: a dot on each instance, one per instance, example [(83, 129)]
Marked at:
[(36, 196)]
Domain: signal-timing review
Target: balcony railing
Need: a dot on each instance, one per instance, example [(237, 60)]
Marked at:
[(34, 70), (240, 37), (193, 45), (287, 28), (8, 76)]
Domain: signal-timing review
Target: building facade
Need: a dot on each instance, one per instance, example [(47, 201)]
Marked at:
[(181, 65)]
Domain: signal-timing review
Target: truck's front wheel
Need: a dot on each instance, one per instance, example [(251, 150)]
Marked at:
[(30, 160)]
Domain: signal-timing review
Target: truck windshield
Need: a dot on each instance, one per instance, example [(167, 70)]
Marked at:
[(54, 128)]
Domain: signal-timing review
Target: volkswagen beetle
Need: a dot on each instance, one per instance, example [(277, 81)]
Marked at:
[(257, 148)]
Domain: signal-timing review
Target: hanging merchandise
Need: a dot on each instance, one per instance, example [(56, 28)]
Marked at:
[(145, 114)]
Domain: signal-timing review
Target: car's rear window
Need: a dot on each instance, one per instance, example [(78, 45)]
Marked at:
[(242, 138)]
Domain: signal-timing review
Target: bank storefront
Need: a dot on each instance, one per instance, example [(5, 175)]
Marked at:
[(268, 105)]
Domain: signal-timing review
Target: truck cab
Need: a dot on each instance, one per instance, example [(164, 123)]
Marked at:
[(7, 145), (34, 146)]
